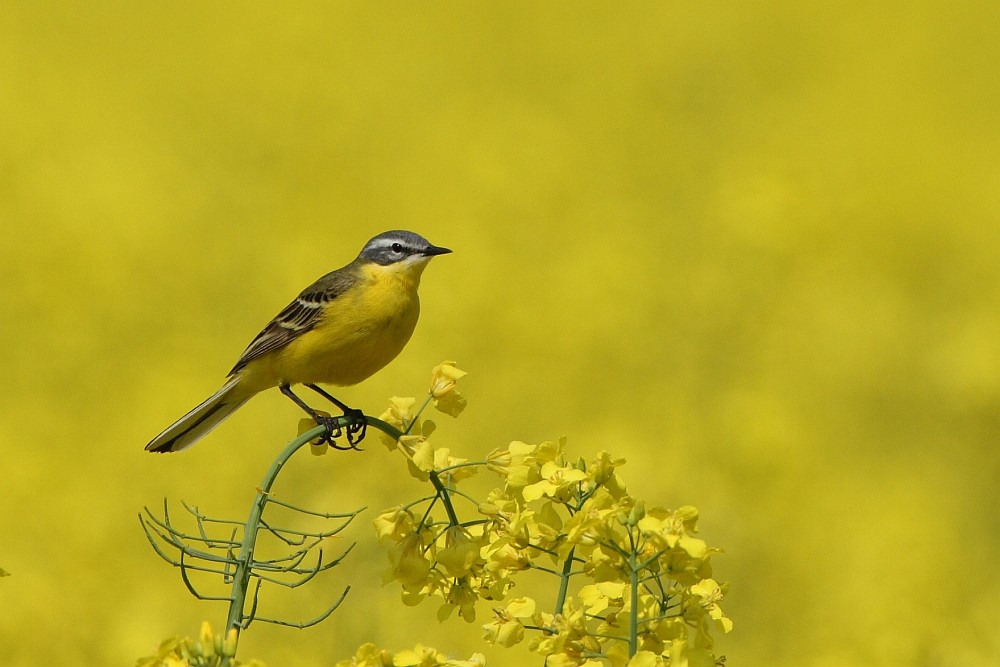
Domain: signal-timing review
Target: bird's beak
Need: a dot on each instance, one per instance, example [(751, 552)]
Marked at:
[(432, 250)]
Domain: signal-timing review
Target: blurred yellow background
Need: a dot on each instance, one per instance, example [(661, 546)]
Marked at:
[(751, 248)]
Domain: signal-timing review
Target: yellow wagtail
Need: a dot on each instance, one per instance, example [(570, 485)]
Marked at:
[(340, 330)]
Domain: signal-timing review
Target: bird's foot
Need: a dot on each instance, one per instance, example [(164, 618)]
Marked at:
[(356, 428), (357, 424), (332, 430)]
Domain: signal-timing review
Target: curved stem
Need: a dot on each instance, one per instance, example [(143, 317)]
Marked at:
[(241, 577), (385, 427)]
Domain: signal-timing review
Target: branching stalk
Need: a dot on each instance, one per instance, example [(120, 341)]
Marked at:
[(198, 552)]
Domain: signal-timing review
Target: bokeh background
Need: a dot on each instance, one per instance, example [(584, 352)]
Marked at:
[(752, 248)]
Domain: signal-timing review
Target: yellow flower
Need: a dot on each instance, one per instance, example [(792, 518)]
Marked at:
[(673, 529), (499, 461), (418, 656), (502, 555), (520, 608), (475, 660), (603, 467), (550, 451), (515, 462), (444, 378), (696, 548), (504, 631), (393, 524), (645, 659), (368, 655), (206, 639), (460, 553), (444, 460), (408, 564), (555, 478), (421, 452), (597, 597), (586, 526), (683, 654), (617, 654), (711, 594), (399, 414), (548, 516), (688, 517), (603, 565), (507, 627), (462, 596), (229, 645)]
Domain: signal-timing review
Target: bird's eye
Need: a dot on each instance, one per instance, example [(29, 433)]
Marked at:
[(397, 247)]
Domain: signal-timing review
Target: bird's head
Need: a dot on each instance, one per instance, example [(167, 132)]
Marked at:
[(399, 246), (400, 252)]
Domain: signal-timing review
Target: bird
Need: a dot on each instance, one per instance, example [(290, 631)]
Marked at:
[(340, 330)]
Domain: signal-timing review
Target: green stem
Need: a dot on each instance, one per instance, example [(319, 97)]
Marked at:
[(241, 578), (564, 581), (439, 486), (427, 401), (442, 492), (633, 623), (467, 464), (385, 427), (244, 566)]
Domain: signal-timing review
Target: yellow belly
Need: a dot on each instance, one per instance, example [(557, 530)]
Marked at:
[(363, 330)]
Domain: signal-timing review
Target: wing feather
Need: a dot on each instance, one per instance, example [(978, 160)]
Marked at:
[(296, 318)]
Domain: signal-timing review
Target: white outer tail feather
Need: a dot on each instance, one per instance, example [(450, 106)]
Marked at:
[(197, 423)]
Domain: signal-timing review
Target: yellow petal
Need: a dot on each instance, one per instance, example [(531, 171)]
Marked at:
[(407, 658), (452, 403), (645, 659), (423, 456), (520, 608), (695, 547), (510, 633), (612, 589), (444, 377), (592, 599), (537, 490)]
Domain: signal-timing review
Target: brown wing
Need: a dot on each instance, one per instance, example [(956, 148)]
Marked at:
[(296, 318)]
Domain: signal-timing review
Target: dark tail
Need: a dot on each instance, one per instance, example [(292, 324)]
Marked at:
[(196, 424)]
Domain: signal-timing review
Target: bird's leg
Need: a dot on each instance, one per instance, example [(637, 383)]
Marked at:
[(358, 427), (329, 423)]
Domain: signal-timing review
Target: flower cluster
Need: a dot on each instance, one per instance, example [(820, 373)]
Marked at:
[(634, 586), (209, 650), (369, 655)]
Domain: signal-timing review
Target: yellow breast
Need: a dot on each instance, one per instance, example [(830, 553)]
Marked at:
[(361, 331)]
